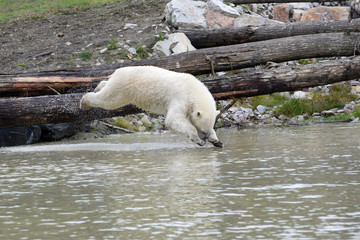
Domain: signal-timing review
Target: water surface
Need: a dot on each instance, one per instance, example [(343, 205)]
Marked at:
[(267, 183)]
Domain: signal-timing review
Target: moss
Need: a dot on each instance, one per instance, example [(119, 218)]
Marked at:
[(123, 123)]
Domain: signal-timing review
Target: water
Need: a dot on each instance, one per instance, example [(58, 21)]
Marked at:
[(267, 183)]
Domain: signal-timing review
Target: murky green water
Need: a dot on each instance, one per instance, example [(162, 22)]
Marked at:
[(267, 183)]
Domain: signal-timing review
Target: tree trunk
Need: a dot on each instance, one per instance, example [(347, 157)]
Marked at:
[(65, 108), (52, 109), (275, 1), (205, 38), (283, 78), (223, 58)]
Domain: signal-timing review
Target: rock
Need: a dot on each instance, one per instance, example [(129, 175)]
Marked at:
[(146, 121), (19, 135), (103, 50), (281, 12), (176, 43), (186, 14), (328, 113), (296, 14), (349, 108), (217, 20), (60, 34), (54, 132), (262, 109), (301, 6), (356, 120), (220, 7), (283, 118), (296, 119), (265, 117), (132, 50), (254, 20), (356, 89), (355, 6), (299, 94), (327, 13), (129, 25), (242, 114)]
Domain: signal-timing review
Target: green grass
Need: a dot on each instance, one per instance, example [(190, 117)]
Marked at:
[(338, 96), (12, 9), (85, 55), (112, 45), (268, 100)]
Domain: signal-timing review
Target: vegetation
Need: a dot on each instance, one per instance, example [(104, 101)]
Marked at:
[(142, 52), (12, 9), (112, 45), (318, 101), (124, 123), (85, 55)]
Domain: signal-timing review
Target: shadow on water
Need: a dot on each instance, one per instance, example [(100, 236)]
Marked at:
[(267, 183)]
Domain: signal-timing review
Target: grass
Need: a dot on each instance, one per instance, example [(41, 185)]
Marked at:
[(12, 9), (338, 96), (112, 45), (85, 55)]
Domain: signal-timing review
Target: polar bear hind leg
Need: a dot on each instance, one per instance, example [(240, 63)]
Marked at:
[(100, 86), (102, 100)]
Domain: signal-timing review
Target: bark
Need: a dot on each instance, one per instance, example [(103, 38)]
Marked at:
[(206, 60), (205, 38), (283, 78), (65, 108), (275, 1), (52, 109)]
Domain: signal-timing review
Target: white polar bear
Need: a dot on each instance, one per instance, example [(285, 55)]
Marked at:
[(188, 105)]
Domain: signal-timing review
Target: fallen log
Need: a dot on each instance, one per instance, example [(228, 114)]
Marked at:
[(275, 1), (223, 58), (52, 109), (65, 108), (205, 38)]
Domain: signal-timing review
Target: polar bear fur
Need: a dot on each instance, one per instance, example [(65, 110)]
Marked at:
[(185, 101)]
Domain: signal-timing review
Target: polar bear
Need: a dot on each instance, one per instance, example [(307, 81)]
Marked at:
[(187, 104)]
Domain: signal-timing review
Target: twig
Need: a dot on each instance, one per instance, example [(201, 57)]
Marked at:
[(212, 65), (54, 90), (224, 109)]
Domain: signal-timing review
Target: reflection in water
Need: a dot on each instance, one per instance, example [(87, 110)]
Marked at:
[(267, 183)]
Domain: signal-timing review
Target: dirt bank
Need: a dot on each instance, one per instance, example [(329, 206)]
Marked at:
[(75, 38)]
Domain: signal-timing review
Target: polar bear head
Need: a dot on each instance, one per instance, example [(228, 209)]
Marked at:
[(203, 120)]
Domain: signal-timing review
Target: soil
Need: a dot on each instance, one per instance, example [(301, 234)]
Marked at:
[(55, 41)]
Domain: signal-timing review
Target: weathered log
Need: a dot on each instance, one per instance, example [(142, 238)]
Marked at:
[(275, 1), (283, 78), (202, 61), (52, 109), (65, 108), (205, 38)]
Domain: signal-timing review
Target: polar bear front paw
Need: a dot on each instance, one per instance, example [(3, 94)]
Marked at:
[(217, 143), (198, 141)]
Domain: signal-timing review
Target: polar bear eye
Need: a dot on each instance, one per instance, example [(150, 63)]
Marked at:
[(198, 113)]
